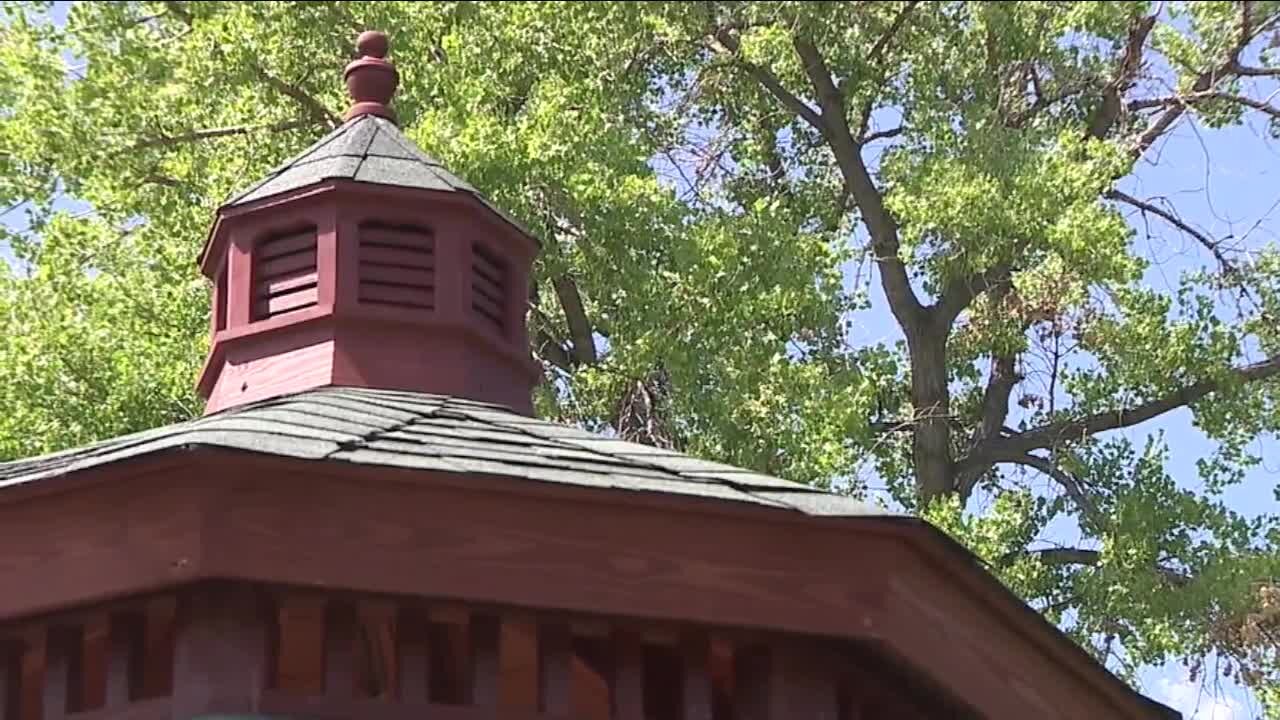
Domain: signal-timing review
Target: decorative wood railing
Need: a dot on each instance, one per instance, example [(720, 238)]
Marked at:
[(244, 649)]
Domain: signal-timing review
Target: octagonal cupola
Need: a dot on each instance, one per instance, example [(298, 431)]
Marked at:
[(364, 262)]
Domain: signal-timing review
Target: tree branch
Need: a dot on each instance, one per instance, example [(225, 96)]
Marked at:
[(584, 346), (1053, 434), (1088, 509), (960, 293), (1246, 71), (880, 135), (880, 224), (552, 351), (882, 44), (1205, 81), (1126, 70), (769, 81), (1177, 222), (1081, 556), (211, 133), (313, 107), (1197, 97)]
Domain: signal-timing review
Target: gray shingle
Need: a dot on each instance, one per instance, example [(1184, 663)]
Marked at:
[(308, 173), (401, 173), (419, 431), (819, 503), (365, 149)]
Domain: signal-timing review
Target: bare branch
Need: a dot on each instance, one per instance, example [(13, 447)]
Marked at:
[(584, 346), (211, 133), (313, 107), (1198, 97), (1169, 217), (1246, 71), (880, 135)]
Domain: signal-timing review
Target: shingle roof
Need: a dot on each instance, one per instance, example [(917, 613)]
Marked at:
[(368, 149), (444, 434)]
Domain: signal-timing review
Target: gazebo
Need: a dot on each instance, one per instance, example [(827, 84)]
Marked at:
[(369, 523)]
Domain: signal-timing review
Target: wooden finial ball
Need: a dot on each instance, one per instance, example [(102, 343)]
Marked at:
[(372, 43)]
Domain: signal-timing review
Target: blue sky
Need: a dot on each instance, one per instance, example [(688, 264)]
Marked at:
[(1224, 182)]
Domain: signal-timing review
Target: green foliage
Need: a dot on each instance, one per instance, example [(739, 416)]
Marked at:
[(707, 225)]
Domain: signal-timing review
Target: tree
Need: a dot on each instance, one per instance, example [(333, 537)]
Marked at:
[(722, 189)]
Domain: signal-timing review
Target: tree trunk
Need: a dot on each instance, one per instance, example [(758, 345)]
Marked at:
[(931, 405)]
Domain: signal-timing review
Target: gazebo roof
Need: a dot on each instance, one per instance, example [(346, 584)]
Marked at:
[(443, 434), (365, 149)]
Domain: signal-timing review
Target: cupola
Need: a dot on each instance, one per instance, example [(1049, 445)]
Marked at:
[(363, 262)]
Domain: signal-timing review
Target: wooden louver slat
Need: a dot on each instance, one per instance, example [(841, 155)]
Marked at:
[(397, 266), (285, 276), (488, 286)]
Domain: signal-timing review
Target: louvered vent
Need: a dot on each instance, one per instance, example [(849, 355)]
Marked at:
[(488, 285), (284, 273), (397, 266)]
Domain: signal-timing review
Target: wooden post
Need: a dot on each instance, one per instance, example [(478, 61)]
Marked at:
[(95, 648), (123, 660), (556, 662), (31, 685), (376, 653), (518, 663), (414, 655), (696, 679), (300, 646), (628, 676), (338, 660), (220, 653), (157, 646), (449, 645), (57, 673)]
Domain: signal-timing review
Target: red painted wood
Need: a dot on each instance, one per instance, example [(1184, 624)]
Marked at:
[(58, 680), (123, 660), (414, 656), (325, 708), (154, 709), (159, 626), (556, 669), (449, 642), (339, 654), (412, 297), (376, 263), (300, 646), (525, 544), (288, 302), (591, 673), (287, 244), (10, 676), (220, 664), (95, 660), (419, 277), (373, 255), (486, 648), (272, 287), (35, 653), (695, 686), (518, 663), (377, 669)]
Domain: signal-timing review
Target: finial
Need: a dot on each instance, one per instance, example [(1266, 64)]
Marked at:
[(371, 80)]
